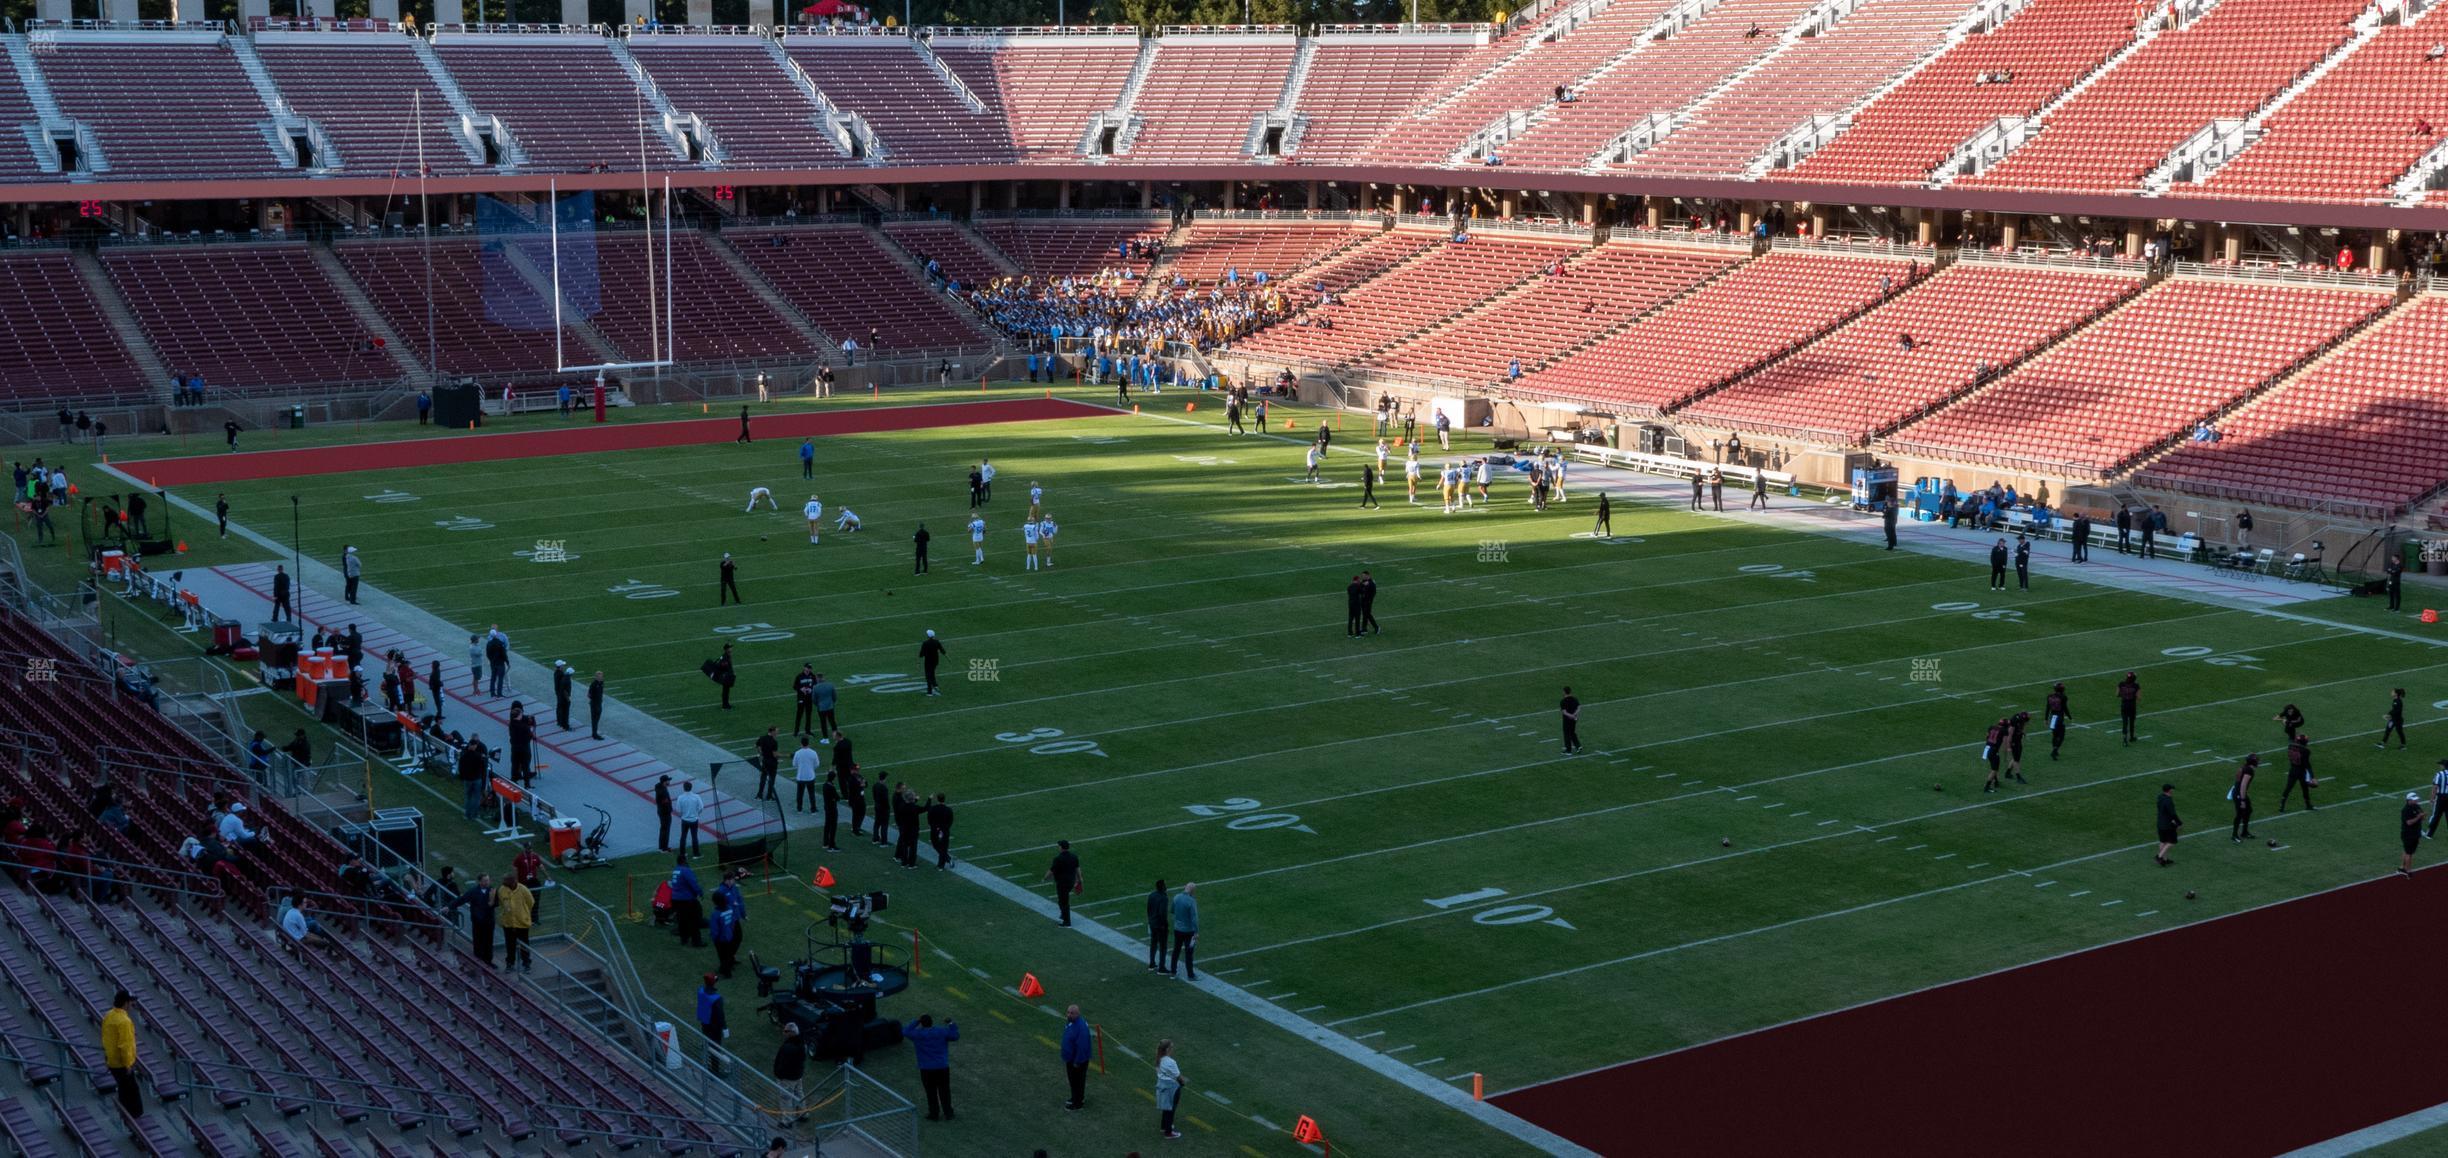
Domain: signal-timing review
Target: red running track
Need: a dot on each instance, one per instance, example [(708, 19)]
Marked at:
[(2253, 1034), (588, 439)]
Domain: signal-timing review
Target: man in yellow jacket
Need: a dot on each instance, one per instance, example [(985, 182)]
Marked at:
[(514, 907), (119, 1052)]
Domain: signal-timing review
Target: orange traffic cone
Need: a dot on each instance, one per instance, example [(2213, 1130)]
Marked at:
[(1188, 407), (1291, 424), (824, 878), (2430, 615), (182, 546), (1029, 986), (1306, 1131)]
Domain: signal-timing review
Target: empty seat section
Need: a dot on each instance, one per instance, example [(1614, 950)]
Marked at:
[(1665, 76), (2172, 357), (951, 248), (920, 118), (1204, 94), (1070, 248), (568, 103), (1864, 378), (2225, 63), (372, 96), (2366, 427), (719, 318), (2356, 130), (2026, 62), (17, 157), (1047, 89), (1760, 309), (58, 345), (1209, 251), (1821, 75), (247, 317), (1358, 85), (759, 116), (1443, 280), (1598, 291), (486, 318), (1522, 77), (843, 280), (162, 109)]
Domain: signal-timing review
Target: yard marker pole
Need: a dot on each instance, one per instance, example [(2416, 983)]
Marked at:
[(1476, 1089), (917, 964), (1100, 1032)]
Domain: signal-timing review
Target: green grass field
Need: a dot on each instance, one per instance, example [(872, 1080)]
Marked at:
[(1778, 812)]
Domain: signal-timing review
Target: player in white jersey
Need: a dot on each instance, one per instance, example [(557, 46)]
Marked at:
[(1445, 484), (764, 494), (1314, 455), (1411, 475), (1483, 480), (1381, 457), (1028, 536), (977, 538), (1555, 476), (814, 510), (1045, 538), (1036, 501), (849, 520)]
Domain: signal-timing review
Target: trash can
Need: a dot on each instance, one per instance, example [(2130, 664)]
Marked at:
[(561, 836), (665, 1045), (297, 417), (2435, 555), (2412, 555)]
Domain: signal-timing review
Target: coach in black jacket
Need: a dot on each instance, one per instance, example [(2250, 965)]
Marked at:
[(1160, 927)]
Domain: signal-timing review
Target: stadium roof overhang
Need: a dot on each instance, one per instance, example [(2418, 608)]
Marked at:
[(2116, 207)]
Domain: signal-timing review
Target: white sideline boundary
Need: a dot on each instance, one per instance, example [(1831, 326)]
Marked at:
[(2375, 1136)]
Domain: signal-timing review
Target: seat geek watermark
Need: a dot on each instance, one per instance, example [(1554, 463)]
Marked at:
[(1493, 551), (41, 670), (1925, 671), (985, 671)]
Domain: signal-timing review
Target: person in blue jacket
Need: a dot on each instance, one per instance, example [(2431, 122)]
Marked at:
[(1077, 1050), (932, 1044), (688, 904), (711, 1019)]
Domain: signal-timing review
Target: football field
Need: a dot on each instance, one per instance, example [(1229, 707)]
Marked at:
[(1778, 811)]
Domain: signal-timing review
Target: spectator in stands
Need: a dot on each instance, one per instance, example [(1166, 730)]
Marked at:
[(67, 424), (479, 903), (104, 795), (2437, 50), (119, 1052), (514, 910), (424, 407), (234, 831), (39, 856), (292, 921), (229, 430), (1905, 342), (849, 351)]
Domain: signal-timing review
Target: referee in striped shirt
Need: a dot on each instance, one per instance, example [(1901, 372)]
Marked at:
[(2439, 789)]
